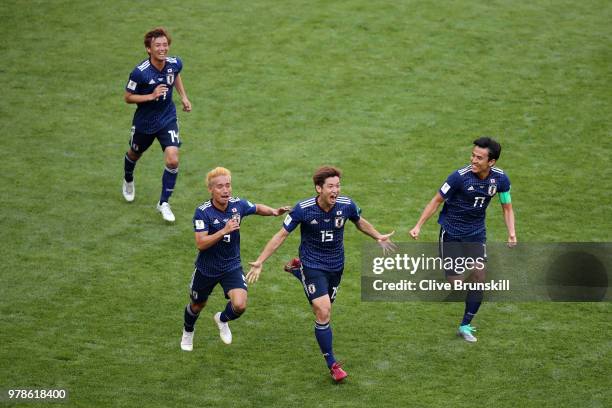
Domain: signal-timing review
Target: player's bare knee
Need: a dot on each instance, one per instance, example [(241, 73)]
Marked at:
[(322, 313), (453, 278), (197, 307), (478, 275), (324, 316), (132, 155), (239, 306), (172, 162)]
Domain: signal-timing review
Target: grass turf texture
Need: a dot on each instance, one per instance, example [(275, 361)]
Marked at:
[(93, 289)]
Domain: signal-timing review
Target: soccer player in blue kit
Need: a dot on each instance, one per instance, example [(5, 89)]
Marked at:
[(466, 195), (150, 87), (321, 220), (217, 235)]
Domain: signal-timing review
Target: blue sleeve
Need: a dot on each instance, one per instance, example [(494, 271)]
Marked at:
[(504, 184), (199, 221), (293, 219), (451, 185), (179, 65), (247, 208), (355, 212), (134, 81)]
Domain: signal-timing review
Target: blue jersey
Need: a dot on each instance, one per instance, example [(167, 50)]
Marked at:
[(322, 233), (224, 255), (152, 116), (466, 199)]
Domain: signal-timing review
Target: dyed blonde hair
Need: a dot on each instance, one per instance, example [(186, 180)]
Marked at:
[(216, 172)]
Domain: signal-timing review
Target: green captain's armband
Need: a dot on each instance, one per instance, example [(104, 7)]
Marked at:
[(505, 198)]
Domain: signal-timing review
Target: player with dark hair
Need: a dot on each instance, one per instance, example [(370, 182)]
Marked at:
[(466, 195), (150, 87), (217, 234), (321, 220)]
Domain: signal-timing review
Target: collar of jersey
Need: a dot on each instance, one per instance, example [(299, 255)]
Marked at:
[(326, 212), (212, 204)]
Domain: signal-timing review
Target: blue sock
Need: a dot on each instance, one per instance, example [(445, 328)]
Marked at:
[(473, 301), (323, 333), (168, 182), (128, 168), (229, 313), (190, 318)]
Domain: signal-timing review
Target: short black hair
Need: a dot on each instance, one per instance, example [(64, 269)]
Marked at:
[(490, 144)]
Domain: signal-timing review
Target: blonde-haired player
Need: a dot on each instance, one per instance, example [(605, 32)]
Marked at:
[(216, 223)]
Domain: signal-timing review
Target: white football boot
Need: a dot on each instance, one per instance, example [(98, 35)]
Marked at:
[(166, 211), (467, 333), (224, 330), (129, 191), (187, 340)]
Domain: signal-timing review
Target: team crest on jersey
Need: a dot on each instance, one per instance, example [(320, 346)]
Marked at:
[(339, 222), (312, 288), (492, 190), (169, 78)]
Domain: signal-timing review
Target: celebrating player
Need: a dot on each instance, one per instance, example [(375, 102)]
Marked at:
[(217, 235), (321, 219), (466, 195), (150, 87)]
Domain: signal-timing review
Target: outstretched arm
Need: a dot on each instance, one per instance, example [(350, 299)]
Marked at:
[(429, 210), (271, 247), (264, 210), (384, 240), (509, 220)]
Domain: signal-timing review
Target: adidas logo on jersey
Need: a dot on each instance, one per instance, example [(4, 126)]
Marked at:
[(216, 221), (471, 188), (313, 222), (152, 82)]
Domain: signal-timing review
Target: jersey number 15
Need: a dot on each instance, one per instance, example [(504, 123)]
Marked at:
[(327, 236)]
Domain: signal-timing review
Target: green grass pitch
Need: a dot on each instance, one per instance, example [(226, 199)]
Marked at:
[(92, 289)]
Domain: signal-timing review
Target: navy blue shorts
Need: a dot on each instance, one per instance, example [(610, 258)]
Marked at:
[(319, 283), (168, 136), (465, 252), (201, 286)]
